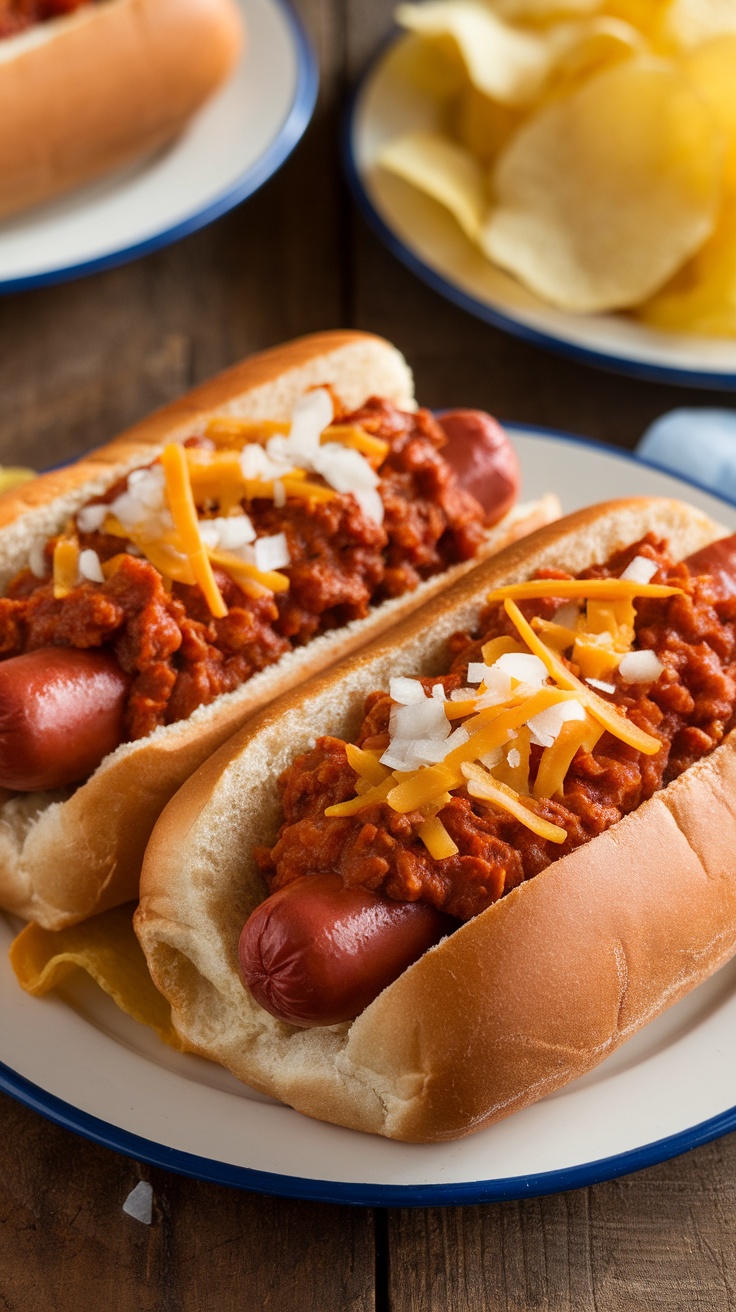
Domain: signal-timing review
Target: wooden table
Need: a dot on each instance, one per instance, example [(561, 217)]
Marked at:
[(77, 363)]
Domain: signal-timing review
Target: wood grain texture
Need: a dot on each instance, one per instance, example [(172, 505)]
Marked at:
[(80, 361), (65, 1241), (656, 1241)]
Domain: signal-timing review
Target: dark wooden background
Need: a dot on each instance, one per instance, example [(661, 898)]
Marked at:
[(80, 361)]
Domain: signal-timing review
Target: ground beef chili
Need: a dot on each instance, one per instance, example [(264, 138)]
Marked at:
[(16, 15), (689, 709), (342, 562)]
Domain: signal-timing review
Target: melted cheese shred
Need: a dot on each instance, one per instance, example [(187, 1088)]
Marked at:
[(482, 784), (492, 763), (184, 514), (604, 712), (596, 589), (65, 566)]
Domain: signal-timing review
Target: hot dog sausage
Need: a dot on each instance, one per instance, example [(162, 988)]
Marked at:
[(61, 712), (719, 560), (483, 459), (317, 952)]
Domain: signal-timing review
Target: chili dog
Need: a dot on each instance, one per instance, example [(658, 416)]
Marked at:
[(211, 554), (565, 955), (87, 86), (285, 965)]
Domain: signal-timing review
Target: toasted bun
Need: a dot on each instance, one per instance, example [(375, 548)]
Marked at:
[(67, 856), (530, 994), (88, 93)]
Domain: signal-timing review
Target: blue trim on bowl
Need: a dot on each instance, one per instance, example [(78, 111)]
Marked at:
[(497, 318), (372, 1195), (294, 126)]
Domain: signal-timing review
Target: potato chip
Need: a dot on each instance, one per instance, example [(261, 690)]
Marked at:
[(711, 69), (107, 948), (590, 45), (603, 195), (443, 171), (644, 15), (435, 67), (543, 11), (701, 298), (481, 124), (509, 64), (13, 475), (689, 23)]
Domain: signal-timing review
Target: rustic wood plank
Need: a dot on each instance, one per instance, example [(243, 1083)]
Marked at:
[(65, 1241), (660, 1240)]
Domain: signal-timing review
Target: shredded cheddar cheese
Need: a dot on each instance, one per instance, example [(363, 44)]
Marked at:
[(606, 589), (366, 765), (436, 839), (482, 784), (535, 700), (606, 714), (66, 566), (184, 514)]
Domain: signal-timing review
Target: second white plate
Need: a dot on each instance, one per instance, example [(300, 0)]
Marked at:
[(240, 138), (79, 1061), (422, 234)]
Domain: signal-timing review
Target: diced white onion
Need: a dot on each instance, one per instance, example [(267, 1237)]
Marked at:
[(640, 667), (514, 758), (312, 413), (37, 559), (425, 719), (492, 758), (90, 518), (566, 615), (228, 533), (497, 688), (147, 486), (601, 685), (90, 567), (279, 494), (406, 691), (424, 751), (457, 738), (545, 727), (272, 552), (524, 667), (255, 462), (370, 503), (477, 671), (438, 692), (139, 1203), (640, 570), (395, 755), (463, 694)]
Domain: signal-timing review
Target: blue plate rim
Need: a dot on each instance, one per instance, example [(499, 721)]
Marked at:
[(479, 309), (290, 133), (353, 1193)]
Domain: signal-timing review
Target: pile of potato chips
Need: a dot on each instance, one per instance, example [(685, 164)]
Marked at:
[(588, 148)]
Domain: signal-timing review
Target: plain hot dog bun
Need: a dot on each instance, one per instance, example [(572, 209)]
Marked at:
[(65, 856), (530, 994), (90, 92)]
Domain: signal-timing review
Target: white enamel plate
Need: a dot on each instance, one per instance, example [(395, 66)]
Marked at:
[(236, 142), (422, 234), (79, 1061)]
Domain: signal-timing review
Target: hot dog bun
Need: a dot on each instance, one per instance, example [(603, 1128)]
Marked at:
[(534, 991), (65, 856), (85, 94)]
